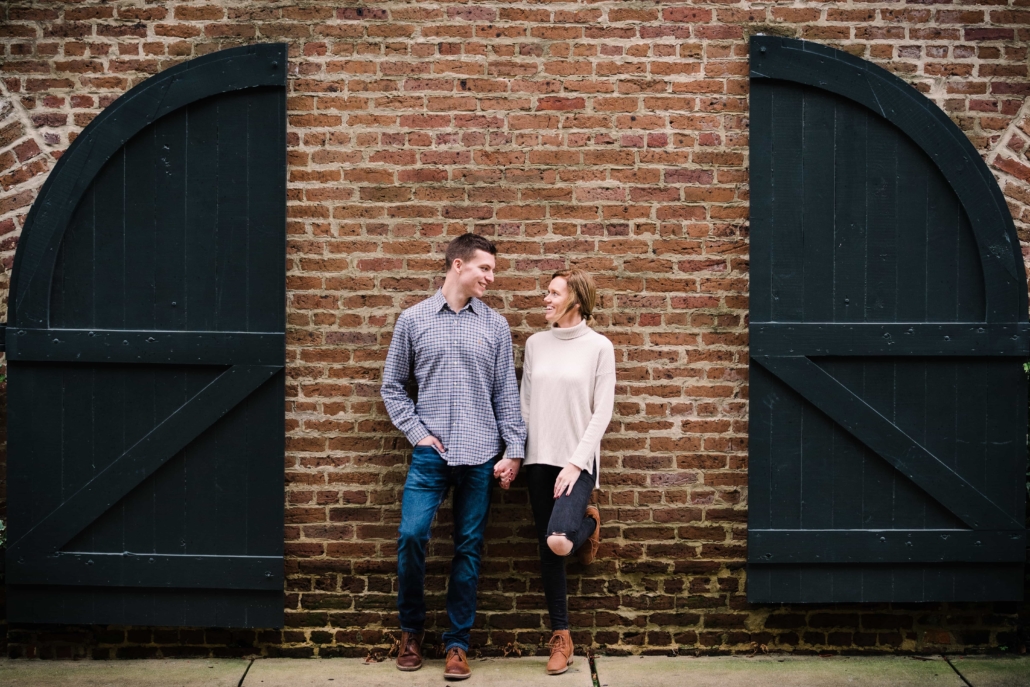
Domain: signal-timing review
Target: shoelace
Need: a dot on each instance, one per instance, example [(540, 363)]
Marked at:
[(557, 644)]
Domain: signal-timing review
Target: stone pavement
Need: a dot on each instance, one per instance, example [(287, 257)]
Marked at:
[(762, 671)]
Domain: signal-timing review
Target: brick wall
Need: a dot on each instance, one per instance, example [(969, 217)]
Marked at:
[(609, 135)]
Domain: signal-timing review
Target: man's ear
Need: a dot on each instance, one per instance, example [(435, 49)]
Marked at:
[(457, 265)]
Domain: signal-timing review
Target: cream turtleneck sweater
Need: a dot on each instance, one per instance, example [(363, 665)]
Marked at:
[(568, 392)]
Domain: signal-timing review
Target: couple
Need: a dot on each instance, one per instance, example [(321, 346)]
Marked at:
[(469, 411)]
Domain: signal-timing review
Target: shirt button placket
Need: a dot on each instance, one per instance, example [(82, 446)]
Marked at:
[(454, 355), (456, 350)]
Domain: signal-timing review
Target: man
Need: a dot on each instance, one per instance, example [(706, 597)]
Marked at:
[(460, 353)]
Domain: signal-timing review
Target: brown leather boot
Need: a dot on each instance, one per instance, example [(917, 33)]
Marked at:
[(561, 652), (457, 667), (409, 657), (588, 551)]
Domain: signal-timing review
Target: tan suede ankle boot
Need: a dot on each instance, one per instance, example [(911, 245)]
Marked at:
[(561, 652), (588, 550)]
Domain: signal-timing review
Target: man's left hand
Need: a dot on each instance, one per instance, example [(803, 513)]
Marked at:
[(506, 470)]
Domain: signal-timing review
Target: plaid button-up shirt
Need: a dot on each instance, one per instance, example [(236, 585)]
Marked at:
[(468, 397)]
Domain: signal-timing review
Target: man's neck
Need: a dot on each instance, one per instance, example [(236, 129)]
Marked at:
[(456, 298)]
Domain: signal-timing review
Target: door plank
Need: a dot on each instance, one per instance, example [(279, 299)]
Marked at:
[(885, 545), (156, 570), (891, 339), (134, 346), (819, 131)]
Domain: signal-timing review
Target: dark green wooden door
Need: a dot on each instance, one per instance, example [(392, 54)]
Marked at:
[(888, 327), (146, 352)]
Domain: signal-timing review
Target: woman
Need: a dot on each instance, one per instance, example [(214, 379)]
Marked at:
[(568, 390)]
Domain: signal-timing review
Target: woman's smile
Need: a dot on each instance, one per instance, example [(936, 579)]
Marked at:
[(554, 299)]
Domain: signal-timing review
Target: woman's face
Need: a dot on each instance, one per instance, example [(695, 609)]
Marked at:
[(554, 300)]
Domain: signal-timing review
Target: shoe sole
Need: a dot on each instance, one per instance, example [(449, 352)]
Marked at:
[(457, 677), (409, 670), (559, 672)]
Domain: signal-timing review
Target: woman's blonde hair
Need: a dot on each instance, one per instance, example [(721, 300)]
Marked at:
[(582, 292)]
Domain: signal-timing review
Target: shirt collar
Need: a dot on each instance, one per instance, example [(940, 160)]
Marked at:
[(439, 303)]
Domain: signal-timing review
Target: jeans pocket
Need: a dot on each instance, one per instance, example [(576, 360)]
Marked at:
[(426, 451), (421, 456), (427, 468)]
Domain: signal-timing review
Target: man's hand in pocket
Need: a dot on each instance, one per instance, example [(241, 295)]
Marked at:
[(432, 441)]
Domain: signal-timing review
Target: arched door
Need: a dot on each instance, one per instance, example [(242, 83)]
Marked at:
[(146, 349), (888, 330)]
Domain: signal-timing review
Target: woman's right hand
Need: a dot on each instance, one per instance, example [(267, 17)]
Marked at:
[(567, 479)]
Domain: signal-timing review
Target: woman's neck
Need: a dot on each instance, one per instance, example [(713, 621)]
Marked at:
[(570, 320)]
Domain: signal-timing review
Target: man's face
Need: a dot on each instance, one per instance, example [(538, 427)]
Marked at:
[(477, 274)]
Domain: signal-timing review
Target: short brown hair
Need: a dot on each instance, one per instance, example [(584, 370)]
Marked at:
[(582, 292), (465, 246)]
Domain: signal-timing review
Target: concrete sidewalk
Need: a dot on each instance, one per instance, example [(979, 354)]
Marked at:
[(763, 671)]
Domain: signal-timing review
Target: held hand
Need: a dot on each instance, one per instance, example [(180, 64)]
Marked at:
[(432, 441), (506, 470), (566, 480)]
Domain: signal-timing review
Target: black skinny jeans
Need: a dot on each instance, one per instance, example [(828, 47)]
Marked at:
[(564, 515)]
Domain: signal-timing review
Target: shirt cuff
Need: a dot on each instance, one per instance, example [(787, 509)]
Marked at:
[(417, 434), (514, 452)]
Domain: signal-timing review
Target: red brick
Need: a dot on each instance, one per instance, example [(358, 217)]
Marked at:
[(611, 136), (688, 15)]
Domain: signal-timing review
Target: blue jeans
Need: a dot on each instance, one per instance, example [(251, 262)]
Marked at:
[(429, 478)]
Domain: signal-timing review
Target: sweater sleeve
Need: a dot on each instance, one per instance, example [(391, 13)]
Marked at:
[(525, 393), (603, 404)]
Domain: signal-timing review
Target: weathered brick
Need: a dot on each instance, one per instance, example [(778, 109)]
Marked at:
[(612, 136)]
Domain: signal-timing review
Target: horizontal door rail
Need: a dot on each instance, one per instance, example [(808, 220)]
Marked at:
[(141, 346), (911, 459), (172, 571), (891, 338), (885, 546)]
